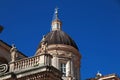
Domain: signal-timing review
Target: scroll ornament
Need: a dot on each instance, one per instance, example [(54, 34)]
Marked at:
[(3, 68)]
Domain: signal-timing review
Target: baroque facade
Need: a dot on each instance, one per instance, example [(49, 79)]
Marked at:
[(57, 58)]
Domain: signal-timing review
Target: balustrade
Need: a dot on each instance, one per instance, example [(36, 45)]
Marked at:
[(26, 63)]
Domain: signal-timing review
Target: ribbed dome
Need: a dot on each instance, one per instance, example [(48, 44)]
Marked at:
[(59, 37)]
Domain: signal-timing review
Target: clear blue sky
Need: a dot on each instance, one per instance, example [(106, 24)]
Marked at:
[(93, 24)]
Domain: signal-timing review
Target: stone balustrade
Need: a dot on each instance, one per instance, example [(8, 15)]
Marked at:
[(26, 63)]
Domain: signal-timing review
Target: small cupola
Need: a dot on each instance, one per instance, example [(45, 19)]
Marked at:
[(56, 23)]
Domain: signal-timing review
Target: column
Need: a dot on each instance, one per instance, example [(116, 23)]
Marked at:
[(68, 68), (55, 61), (72, 68), (45, 59)]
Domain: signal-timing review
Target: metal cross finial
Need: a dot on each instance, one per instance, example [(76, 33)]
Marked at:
[(56, 10), (56, 13)]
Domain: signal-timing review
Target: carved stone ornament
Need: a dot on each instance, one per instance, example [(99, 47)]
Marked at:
[(13, 51), (3, 68), (43, 45)]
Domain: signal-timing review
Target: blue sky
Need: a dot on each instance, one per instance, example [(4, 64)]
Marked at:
[(93, 24)]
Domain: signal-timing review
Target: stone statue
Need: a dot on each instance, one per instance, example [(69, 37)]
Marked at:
[(13, 52), (44, 48), (44, 45)]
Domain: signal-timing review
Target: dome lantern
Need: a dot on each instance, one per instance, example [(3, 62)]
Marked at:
[(56, 23)]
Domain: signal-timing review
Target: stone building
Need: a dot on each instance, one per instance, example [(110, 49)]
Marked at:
[(57, 58), (99, 76)]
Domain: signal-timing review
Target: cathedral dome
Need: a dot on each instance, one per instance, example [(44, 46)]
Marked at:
[(59, 37), (56, 35)]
